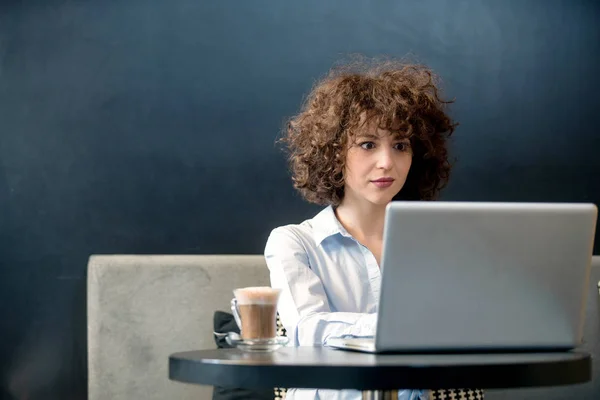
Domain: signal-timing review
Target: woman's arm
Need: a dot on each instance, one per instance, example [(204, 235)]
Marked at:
[(303, 306)]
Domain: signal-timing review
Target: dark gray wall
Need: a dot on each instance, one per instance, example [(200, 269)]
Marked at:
[(148, 126)]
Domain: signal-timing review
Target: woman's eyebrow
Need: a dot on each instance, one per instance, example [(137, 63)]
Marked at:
[(367, 136)]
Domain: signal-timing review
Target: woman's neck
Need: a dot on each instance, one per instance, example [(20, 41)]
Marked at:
[(363, 221)]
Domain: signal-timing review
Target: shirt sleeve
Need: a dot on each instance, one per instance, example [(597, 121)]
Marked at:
[(303, 306)]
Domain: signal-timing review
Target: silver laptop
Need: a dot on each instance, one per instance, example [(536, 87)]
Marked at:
[(476, 276)]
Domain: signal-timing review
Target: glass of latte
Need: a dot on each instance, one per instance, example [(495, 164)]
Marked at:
[(255, 312)]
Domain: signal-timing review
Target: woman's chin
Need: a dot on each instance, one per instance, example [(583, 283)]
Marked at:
[(381, 200)]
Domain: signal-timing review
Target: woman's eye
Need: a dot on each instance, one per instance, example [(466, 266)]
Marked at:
[(402, 146), (367, 145)]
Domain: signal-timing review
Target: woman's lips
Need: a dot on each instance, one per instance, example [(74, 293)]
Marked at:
[(383, 182)]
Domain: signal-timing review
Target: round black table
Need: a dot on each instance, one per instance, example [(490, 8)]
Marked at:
[(325, 368)]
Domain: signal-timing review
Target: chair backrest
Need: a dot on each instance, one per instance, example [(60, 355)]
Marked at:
[(591, 338), (143, 308)]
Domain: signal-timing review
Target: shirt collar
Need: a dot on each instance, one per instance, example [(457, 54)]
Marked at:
[(326, 224)]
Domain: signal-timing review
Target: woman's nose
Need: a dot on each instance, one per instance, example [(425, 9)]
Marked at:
[(384, 159)]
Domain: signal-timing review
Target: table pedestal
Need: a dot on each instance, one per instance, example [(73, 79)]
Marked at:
[(379, 395)]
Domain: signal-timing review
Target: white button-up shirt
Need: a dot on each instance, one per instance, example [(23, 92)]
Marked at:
[(329, 287)]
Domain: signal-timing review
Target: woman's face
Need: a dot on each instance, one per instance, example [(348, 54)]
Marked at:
[(377, 164)]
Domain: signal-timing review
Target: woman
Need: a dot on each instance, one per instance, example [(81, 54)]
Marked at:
[(368, 133)]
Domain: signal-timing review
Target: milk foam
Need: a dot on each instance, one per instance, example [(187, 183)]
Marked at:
[(257, 295)]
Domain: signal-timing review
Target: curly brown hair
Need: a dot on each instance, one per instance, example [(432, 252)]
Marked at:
[(397, 94)]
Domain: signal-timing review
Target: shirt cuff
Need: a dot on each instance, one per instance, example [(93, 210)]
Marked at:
[(364, 326)]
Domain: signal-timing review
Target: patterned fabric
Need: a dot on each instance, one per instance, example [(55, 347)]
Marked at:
[(457, 394), (280, 329), (280, 392)]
